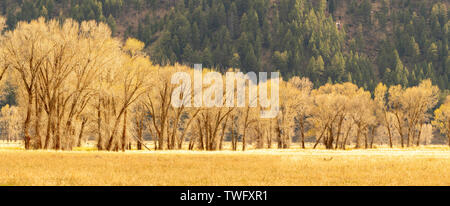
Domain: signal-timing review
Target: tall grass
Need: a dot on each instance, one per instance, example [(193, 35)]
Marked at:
[(419, 166)]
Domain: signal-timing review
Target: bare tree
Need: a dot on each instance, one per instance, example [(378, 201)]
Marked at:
[(442, 118)]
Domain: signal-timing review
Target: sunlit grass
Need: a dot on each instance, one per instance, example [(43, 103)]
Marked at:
[(383, 166)]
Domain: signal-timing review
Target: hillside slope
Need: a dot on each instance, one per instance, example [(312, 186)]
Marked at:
[(363, 41)]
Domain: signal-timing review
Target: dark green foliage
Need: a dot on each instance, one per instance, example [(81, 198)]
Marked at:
[(295, 37)]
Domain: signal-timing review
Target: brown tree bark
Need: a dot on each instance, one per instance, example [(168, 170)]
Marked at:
[(80, 136), (124, 132), (26, 125), (388, 127), (99, 126), (372, 137), (302, 132)]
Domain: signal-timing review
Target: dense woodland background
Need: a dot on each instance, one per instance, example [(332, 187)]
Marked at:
[(362, 41), (352, 70)]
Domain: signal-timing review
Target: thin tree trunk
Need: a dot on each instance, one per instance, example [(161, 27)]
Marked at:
[(140, 138), (58, 145), (49, 129), (112, 145), (400, 130), (366, 139), (38, 125), (99, 126), (358, 135), (346, 137), (373, 137), (234, 140), (269, 136), (388, 127), (448, 137), (302, 132), (279, 138), (320, 137), (26, 125), (329, 143), (124, 131), (448, 132), (338, 132), (223, 133), (418, 136), (80, 136)]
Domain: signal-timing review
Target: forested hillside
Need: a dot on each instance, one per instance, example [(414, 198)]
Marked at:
[(362, 41)]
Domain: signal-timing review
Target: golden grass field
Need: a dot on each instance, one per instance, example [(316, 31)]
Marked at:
[(419, 166)]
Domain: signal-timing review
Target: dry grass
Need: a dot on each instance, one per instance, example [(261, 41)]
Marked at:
[(423, 166)]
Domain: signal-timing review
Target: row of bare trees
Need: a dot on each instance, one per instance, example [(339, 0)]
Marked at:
[(76, 83)]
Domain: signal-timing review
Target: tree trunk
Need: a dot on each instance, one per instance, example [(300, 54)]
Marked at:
[(373, 137), (233, 139), (388, 127), (244, 140), (49, 129), (344, 143), (358, 135), (192, 143), (279, 138), (80, 136), (400, 130), (338, 132), (448, 137), (26, 125), (302, 132), (269, 136), (124, 131), (112, 145), (99, 127), (366, 139), (139, 133), (448, 133), (224, 126), (58, 145), (418, 135), (329, 143), (320, 137), (38, 125)]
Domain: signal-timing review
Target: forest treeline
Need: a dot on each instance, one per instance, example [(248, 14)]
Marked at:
[(76, 82), (329, 41)]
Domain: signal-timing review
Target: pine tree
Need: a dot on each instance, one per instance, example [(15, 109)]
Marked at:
[(319, 68), (112, 24)]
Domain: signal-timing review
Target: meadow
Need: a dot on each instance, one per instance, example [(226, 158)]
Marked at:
[(427, 165)]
